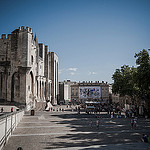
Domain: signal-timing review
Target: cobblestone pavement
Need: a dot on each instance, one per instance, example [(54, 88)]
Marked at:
[(69, 131)]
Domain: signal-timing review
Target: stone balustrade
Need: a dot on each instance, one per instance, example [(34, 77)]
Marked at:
[(8, 123)]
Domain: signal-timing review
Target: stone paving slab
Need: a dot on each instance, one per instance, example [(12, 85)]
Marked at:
[(126, 146), (67, 130)]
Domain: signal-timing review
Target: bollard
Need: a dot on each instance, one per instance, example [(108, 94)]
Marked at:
[(32, 112)]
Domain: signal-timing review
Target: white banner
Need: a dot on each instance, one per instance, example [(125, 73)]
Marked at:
[(89, 92)]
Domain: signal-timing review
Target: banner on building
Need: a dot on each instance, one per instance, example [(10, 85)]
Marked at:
[(89, 92)]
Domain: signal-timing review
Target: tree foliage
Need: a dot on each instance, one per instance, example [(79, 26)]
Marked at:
[(143, 74), (124, 81), (134, 82)]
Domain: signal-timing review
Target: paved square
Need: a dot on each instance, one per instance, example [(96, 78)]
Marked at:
[(68, 130)]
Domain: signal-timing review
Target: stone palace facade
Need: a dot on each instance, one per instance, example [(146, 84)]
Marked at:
[(28, 71)]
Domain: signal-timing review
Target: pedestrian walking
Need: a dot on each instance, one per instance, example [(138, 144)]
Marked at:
[(97, 123), (144, 138), (119, 114), (91, 124), (135, 122), (51, 108), (78, 110), (148, 139), (2, 110), (132, 122), (112, 115), (11, 109)]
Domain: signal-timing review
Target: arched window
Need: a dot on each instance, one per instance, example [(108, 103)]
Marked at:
[(32, 82), (15, 87)]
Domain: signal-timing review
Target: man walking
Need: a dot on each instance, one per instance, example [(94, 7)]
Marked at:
[(97, 123)]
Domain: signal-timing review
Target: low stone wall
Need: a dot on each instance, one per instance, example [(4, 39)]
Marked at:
[(8, 123), (8, 108)]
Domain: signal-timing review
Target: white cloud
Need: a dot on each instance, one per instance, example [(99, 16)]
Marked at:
[(92, 73), (72, 73), (68, 71), (72, 69)]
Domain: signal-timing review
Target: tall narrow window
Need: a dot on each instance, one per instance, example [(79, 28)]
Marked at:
[(31, 59), (32, 82), (1, 83), (37, 89)]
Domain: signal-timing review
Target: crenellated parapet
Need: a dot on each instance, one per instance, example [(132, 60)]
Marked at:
[(4, 36), (20, 29), (23, 29), (15, 33)]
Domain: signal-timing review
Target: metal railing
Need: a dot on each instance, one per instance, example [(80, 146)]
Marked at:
[(8, 123)]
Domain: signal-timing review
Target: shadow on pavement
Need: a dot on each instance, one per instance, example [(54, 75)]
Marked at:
[(81, 134)]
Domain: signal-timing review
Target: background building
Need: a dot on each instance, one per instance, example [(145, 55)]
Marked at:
[(83, 91), (28, 72), (75, 93), (53, 73), (93, 91), (114, 98), (65, 90)]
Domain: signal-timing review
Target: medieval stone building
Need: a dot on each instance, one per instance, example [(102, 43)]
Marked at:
[(28, 71)]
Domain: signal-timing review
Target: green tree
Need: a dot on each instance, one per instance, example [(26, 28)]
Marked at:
[(134, 82), (124, 82), (143, 75)]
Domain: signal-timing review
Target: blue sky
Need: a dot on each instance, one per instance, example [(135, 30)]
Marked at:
[(91, 37)]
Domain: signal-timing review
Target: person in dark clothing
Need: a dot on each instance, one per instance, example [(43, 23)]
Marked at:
[(144, 138)]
